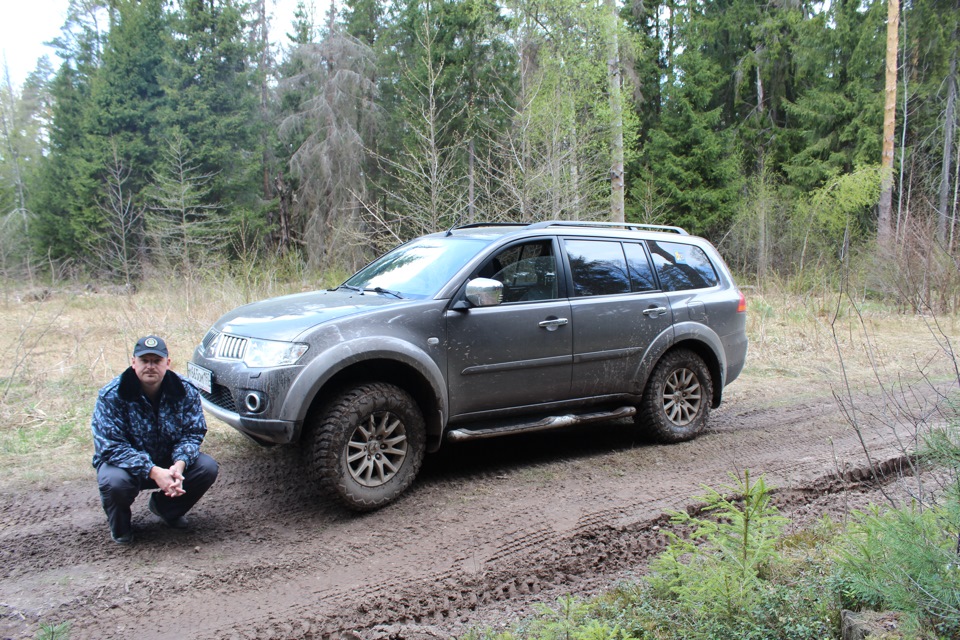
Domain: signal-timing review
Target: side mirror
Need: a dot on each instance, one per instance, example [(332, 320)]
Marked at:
[(484, 292)]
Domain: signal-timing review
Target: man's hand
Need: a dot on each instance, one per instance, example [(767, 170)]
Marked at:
[(170, 481)]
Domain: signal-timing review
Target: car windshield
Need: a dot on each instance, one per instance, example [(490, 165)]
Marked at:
[(418, 269)]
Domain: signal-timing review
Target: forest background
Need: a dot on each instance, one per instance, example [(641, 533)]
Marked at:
[(174, 138)]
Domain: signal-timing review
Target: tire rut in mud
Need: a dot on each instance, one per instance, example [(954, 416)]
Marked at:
[(598, 551)]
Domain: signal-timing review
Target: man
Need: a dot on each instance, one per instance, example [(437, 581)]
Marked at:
[(147, 429)]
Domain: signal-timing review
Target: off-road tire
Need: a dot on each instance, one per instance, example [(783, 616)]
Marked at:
[(368, 445), (676, 401)]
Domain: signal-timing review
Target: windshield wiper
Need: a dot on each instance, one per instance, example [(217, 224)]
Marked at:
[(388, 292), (348, 286)]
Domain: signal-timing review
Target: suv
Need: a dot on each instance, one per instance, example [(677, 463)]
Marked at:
[(484, 330)]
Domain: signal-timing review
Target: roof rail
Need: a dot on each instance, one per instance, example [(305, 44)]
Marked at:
[(478, 225), (632, 226)]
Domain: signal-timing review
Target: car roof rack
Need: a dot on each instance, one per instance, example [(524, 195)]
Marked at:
[(632, 226)]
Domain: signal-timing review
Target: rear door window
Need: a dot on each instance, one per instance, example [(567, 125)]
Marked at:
[(598, 268), (682, 266)]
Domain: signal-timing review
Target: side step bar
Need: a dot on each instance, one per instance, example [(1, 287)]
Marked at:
[(550, 422)]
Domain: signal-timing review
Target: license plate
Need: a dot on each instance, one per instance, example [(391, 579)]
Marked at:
[(200, 377)]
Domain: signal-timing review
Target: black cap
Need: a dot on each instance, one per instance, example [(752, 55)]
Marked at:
[(150, 344)]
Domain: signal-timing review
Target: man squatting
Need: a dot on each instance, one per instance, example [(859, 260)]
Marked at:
[(148, 426)]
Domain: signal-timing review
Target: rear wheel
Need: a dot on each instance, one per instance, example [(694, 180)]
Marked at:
[(368, 445), (677, 399)]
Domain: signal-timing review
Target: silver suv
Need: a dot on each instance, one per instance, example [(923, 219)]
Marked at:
[(481, 331)]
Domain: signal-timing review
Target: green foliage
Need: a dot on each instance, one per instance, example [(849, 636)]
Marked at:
[(720, 569), (908, 559), (690, 157), (572, 620), (840, 108), (747, 122), (54, 631), (212, 104), (905, 560), (833, 217), (185, 229)]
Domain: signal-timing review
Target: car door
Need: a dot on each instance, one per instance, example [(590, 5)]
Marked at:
[(517, 353), (616, 312)]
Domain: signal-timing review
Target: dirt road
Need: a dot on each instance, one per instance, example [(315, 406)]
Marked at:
[(488, 529)]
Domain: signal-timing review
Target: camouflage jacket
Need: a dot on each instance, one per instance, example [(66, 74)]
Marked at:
[(128, 432)]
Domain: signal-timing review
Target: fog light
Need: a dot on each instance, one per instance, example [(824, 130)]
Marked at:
[(254, 402)]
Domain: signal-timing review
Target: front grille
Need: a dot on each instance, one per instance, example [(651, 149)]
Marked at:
[(229, 347), (221, 397)]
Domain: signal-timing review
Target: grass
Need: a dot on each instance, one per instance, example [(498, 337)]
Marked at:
[(796, 343)]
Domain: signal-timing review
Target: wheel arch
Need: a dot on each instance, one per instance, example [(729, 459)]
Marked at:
[(395, 362), (692, 336)]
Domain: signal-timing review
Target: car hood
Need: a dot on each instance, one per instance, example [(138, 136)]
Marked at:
[(287, 317)]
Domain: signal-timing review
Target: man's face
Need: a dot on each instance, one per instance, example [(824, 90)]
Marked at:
[(150, 368)]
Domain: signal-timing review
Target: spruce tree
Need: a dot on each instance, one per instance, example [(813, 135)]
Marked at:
[(839, 112), (213, 98), (125, 112), (65, 183), (690, 156)]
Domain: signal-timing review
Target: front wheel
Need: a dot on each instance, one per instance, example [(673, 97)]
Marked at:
[(368, 445), (676, 401)]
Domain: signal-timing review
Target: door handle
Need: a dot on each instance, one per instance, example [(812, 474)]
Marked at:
[(553, 323), (654, 312)]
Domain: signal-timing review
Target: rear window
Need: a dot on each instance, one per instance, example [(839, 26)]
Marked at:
[(682, 266)]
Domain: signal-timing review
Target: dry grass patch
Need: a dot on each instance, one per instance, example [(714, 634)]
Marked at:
[(806, 346), (58, 349)]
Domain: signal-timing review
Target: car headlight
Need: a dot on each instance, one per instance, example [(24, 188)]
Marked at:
[(269, 353)]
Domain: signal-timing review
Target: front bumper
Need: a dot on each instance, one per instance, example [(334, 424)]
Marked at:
[(264, 431)]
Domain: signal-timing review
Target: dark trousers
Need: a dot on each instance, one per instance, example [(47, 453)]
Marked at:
[(118, 490)]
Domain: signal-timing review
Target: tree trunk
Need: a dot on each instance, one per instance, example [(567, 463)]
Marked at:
[(889, 125), (262, 45), (616, 114), (943, 209), (471, 191)]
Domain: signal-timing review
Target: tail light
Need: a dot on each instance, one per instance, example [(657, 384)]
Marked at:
[(742, 305)]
